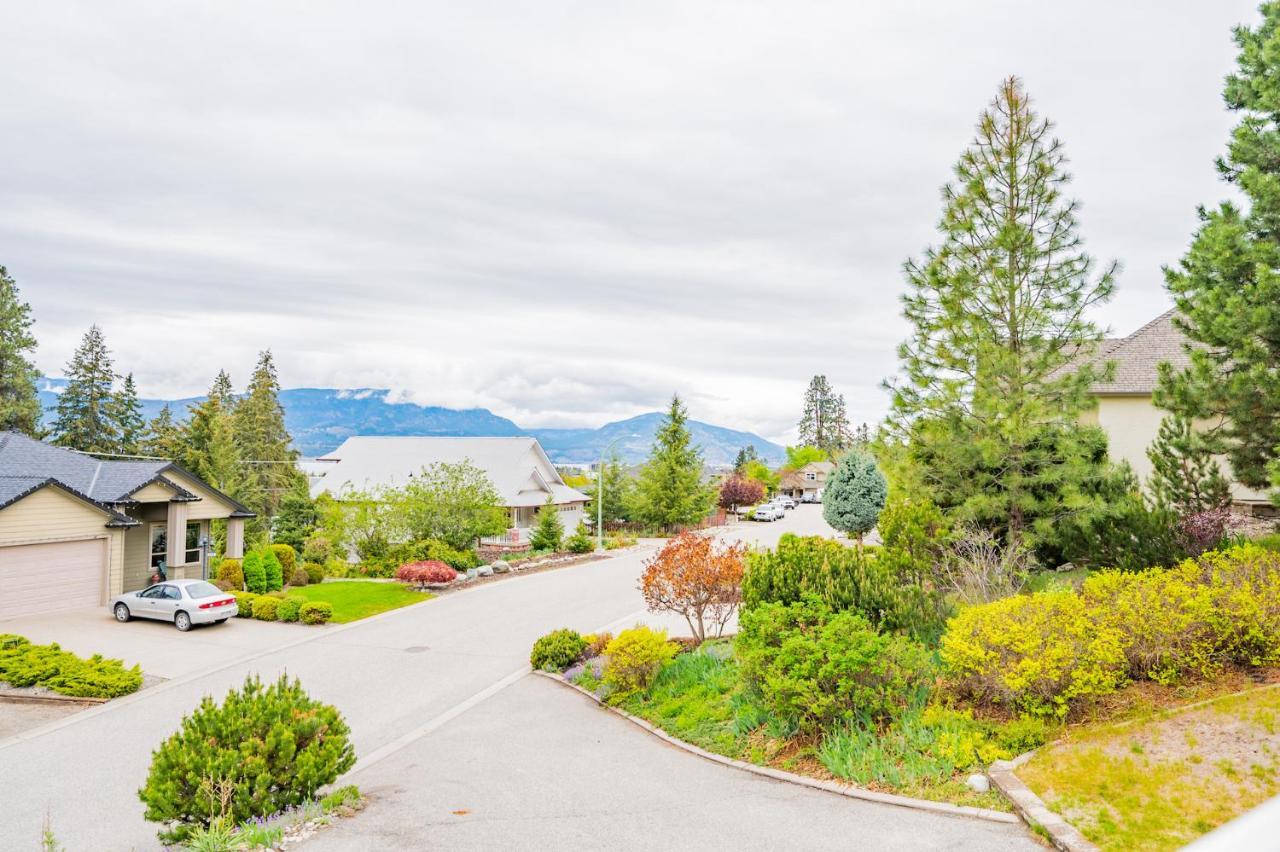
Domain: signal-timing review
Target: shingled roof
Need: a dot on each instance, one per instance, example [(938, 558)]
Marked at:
[(1138, 357)]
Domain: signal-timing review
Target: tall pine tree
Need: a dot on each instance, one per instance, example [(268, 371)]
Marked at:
[(824, 423), (670, 491), (210, 450), (126, 410), (1227, 286), (998, 315), (264, 443), (87, 412), (19, 400), (163, 438)]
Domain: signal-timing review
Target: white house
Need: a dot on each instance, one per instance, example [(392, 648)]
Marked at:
[(518, 468)]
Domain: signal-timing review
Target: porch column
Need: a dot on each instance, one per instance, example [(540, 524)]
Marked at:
[(235, 538), (176, 537)]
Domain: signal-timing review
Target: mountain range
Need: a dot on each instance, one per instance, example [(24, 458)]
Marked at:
[(319, 419)]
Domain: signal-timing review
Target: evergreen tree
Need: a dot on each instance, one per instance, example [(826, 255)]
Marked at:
[(854, 495), (296, 520), (210, 449), (745, 455), (1226, 288), (549, 530), (1185, 475), (86, 414), (163, 438), (126, 410), (824, 424), (670, 491), (618, 491), (19, 400), (998, 311), (263, 441)]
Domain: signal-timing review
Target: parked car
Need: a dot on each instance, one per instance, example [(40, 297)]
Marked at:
[(184, 602), (768, 512), (785, 501), (809, 497)]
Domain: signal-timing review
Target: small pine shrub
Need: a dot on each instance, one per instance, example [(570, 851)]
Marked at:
[(635, 657), (315, 572), (558, 650), (549, 529), (315, 612), (580, 541), (255, 575), (273, 571), (288, 609), (817, 668), (287, 556), (23, 664), (231, 572), (244, 603), (262, 750), (266, 608)]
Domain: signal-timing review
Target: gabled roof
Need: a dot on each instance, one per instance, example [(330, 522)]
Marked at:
[(14, 488), (102, 482), (1137, 357), (518, 468)]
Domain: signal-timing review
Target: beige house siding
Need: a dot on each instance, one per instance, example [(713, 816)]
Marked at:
[(51, 514), (208, 506), (156, 492)]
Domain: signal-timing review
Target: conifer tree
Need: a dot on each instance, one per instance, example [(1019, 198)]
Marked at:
[(549, 530), (264, 442), (210, 449), (1185, 475), (86, 413), (19, 400), (163, 438), (824, 423), (854, 495), (745, 455), (670, 491), (998, 315), (126, 410), (1226, 288), (617, 487)]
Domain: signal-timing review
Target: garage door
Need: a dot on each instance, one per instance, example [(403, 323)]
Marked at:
[(49, 577)]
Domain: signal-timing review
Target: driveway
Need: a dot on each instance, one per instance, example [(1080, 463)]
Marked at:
[(157, 646)]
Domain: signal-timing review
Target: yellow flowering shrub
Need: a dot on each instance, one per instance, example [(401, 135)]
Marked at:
[(1244, 587), (1033, 653), (635, 658)]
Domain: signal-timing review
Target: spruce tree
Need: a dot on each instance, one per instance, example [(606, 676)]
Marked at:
[(210, 449), (19, 400), (126, 410), (264, 442), (86, 414), (1226, 288), (1185, 475), (549, 530), (296, 520), (988, 394), (670, 491), (163, 438), (824, 423), (854, 495), (617, 489), (745, 455)]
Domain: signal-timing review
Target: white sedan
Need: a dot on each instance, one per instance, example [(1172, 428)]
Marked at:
[(183, 602), (768, 512)]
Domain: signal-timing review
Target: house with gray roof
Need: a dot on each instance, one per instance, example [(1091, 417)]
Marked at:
[(519, 469), (76, 530), (1126, 410)]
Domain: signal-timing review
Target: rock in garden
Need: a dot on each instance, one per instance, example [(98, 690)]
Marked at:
[(500, 567), (978, 782), (471, 573), (485, 571)]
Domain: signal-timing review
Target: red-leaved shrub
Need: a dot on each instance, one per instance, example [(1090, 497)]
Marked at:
[(428, 571)]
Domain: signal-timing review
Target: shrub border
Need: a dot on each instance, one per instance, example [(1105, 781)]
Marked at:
[(846, 790)]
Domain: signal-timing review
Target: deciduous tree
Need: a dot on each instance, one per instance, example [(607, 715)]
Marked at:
[(738, 490), (453, 502), (697, 578)]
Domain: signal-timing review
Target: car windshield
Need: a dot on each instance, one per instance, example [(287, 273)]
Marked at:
[(203, 590)]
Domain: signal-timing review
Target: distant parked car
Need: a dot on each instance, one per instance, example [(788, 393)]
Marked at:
[(809, 497), (768, 512), (785, 501), (184, 602)]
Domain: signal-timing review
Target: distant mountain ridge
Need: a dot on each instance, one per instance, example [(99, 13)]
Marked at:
[(322, 418)]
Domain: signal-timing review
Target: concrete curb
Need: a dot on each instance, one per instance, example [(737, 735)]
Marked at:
[(1062, 834), (790, 777)]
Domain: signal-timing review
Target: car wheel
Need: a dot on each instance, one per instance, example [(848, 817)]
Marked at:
[(122, 613), (182, 621)]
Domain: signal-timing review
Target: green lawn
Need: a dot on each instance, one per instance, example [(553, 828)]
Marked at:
[(353, 600)]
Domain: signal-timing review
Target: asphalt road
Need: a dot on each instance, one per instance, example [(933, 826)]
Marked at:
[(414, 679)]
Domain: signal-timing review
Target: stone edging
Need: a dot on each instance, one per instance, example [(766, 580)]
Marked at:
[(1062, 834), (792, 778), (48, 698)]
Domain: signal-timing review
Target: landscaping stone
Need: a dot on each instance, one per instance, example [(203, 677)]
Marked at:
[(978, 782), (485, 571), (471, 573), (500, 567)]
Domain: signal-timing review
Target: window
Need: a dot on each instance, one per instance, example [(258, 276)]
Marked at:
[(193, 543), (811, 477), (203, 590), (170, 593), (159, 544), (153, 592)]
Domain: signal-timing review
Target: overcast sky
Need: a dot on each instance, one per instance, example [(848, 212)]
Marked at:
[(563, 212)]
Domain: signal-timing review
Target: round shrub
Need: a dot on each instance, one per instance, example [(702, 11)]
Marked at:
[(429, 571), (231, 572), (817, 668), (558, 650), (315, 612), (581, 541), (855, 494), (315, 572), (255, 576), (262, 750), (299, 577), (266, 608), (318, 549), (289, 608), (244, 603), (273, 571), (1035, 653), (287, 556), (635, 657)]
